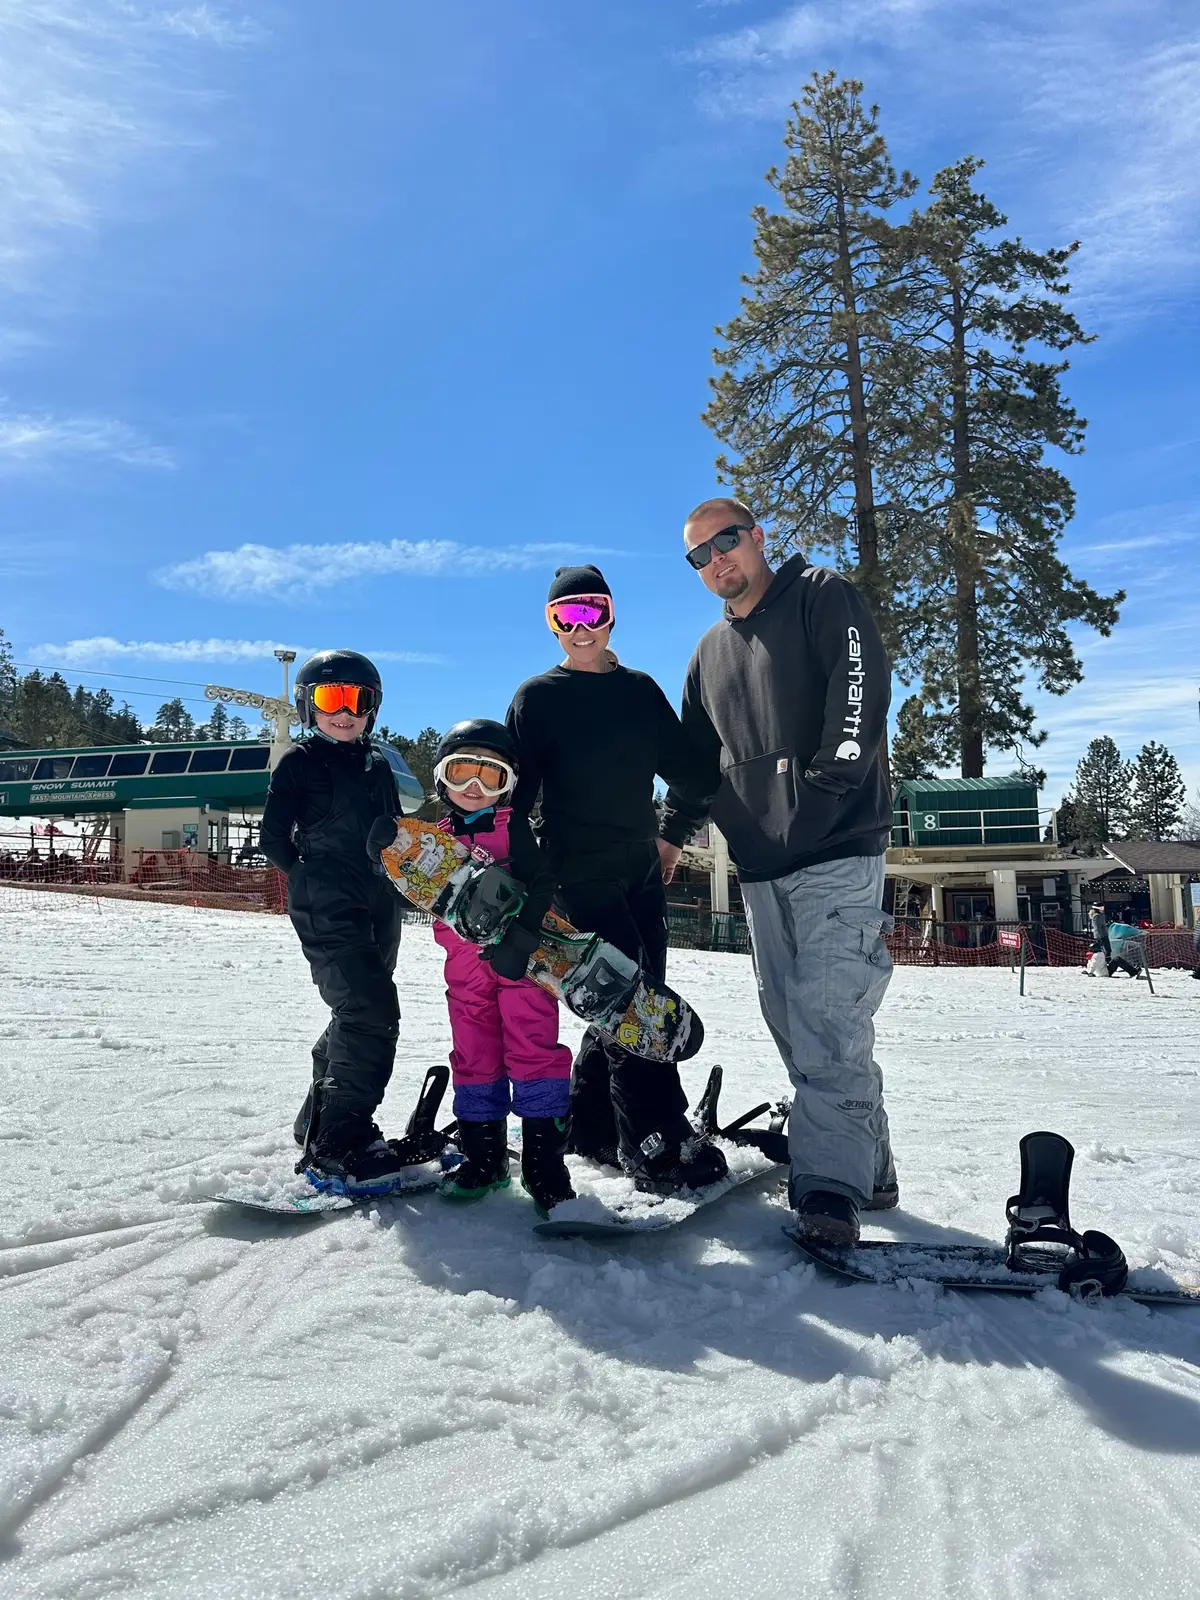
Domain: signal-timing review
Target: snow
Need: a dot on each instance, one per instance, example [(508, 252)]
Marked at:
[(417, 1399)]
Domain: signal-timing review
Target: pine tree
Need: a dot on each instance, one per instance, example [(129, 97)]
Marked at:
[(174, 723), (918, 749), (237, 727), (799, 397), (990, 595), (8, 688), (218, 723), (1101, 792), (1159, 793)]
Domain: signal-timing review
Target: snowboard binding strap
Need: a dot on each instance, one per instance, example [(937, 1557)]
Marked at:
[(1040, 1235), (772, 1140)]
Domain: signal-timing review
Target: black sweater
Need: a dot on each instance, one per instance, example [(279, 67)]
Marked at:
[(301, 817), (788, 706), (591, 744)]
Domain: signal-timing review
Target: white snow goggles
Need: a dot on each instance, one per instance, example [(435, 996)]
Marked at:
[(493, 775)]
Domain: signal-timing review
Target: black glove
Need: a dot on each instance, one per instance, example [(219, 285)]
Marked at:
[(510, 958), (383, 833)]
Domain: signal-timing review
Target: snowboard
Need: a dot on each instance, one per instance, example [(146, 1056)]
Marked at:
[(299, 1199), (303, 1195), (469, 891), (971, 1266), (616, 1208), (1042, 1249)]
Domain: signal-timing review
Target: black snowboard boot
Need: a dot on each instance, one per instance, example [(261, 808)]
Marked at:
[(827, 1218), (485, 1146), (662, 1168), (544, 1174), (885, 1198)]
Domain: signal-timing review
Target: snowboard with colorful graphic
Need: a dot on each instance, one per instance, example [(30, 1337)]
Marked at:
[(599, 983)]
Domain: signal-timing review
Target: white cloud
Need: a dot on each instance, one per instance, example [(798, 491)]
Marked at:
[(29, 442), (83, 652), (1093, 106), (259, 571), (93, 90), (210, 23)]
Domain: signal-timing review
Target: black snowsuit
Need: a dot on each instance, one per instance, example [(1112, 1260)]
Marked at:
[(591, 744), (321, 803)]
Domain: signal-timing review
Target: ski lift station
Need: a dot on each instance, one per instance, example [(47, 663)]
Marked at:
[(180, 796)]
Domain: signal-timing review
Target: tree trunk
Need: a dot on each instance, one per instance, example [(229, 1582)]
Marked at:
[(860, 439), (962, 540)]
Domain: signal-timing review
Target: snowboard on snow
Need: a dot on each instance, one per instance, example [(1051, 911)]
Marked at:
[(469, 891), (1042, 1249), (299, 1196), (616, 1208)]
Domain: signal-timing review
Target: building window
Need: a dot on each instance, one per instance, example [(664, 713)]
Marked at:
[(128, 765), (250, 758), (169, 761), (209, 761), (90, 767)]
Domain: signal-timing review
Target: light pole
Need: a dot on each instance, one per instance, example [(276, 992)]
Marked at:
[(285, 657)]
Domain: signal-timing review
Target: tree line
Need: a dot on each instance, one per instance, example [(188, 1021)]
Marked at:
[(40, 711), (1112, 798), (888, 394)]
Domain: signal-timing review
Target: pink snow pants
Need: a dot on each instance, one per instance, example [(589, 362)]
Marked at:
[(505, 1040)]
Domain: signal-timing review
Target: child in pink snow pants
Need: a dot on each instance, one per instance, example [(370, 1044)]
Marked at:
[(506, 1053)]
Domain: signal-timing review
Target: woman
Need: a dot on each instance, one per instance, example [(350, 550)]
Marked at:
[(591, 735)]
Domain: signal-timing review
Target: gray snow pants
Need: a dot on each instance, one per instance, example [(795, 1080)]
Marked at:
[(822, 968)]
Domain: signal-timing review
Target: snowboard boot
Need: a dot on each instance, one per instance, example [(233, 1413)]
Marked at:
[(661, 1168), (885, 1198), (827, 1218), (485, 1167), (544, 1175), (366, 1170)]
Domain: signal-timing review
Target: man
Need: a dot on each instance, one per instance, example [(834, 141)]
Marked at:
[(787, 698)]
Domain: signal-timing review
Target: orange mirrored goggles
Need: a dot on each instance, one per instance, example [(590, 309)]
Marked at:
[(356, 698), (491, 774)]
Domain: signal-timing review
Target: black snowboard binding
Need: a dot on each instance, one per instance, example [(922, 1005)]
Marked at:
[(421, 1141), (488, 906), (771, 1140), (1040, 1236)]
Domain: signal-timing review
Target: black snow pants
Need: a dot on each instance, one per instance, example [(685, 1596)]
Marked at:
[(348, 919), (617, 1099)]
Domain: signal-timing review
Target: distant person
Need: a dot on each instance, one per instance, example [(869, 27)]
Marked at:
[(1196, 944), (787, 698), (1127, 950), (1100, 950), (325, 794)]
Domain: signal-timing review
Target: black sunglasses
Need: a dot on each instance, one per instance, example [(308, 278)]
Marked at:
[(728, 539)]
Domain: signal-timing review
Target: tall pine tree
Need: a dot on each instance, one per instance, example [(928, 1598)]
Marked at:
[(990, 594), (799, 396), (1159, 794), (1100, 793)]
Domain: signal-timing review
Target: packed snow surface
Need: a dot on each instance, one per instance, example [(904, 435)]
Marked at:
[(416, 1399)]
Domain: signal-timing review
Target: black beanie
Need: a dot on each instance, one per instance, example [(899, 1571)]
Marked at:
[(577, 580)]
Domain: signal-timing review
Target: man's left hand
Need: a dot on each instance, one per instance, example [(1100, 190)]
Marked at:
[(668, 855)]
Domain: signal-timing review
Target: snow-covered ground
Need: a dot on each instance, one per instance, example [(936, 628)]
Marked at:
[(197, 1402)]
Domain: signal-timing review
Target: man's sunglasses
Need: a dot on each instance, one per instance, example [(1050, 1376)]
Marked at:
[(728, 539), (580, 611), (355, 698)]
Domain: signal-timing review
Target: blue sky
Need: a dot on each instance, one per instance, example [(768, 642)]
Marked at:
[(346, 324)]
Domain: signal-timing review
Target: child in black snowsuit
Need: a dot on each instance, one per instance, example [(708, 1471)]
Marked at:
[(324, 796)]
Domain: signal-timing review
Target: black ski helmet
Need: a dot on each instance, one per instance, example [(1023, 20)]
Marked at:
[(335, 666), (477, 733)]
